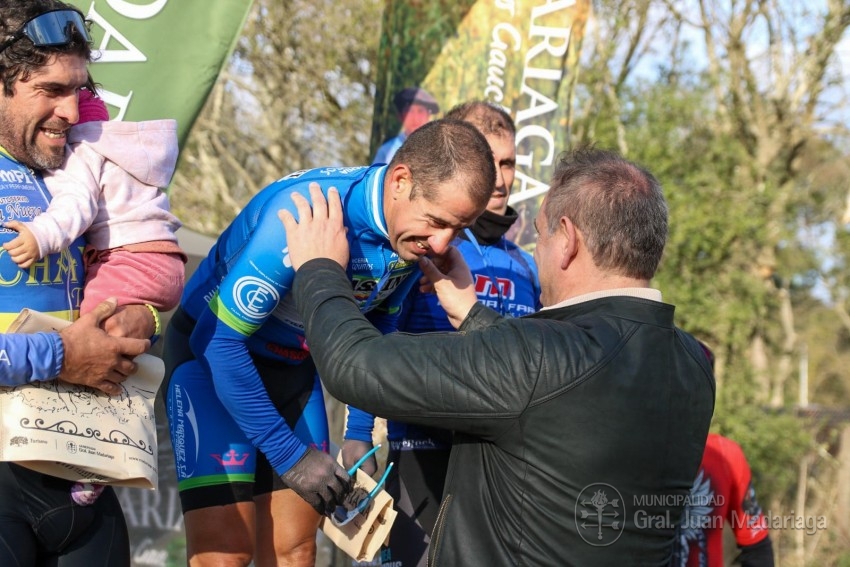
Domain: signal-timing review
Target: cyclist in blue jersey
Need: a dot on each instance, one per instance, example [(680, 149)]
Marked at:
[(44, 52), (246, 412), (505, 279)]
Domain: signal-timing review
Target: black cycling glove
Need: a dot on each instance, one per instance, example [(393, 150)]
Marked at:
[(319, 480), (352, 450)]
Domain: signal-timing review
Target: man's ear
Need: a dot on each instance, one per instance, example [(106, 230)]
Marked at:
[(401, 181), (568, 231)]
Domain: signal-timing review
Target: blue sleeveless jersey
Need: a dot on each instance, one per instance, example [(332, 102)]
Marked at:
[(53, 285), (239, 295)]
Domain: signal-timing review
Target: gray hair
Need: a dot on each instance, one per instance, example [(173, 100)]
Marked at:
[(617, 205)]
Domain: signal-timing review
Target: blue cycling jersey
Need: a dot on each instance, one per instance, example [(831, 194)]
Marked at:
[(51, 285), (505, 278), (239, 295)]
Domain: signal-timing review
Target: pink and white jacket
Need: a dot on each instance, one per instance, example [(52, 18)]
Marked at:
[(110, 186)]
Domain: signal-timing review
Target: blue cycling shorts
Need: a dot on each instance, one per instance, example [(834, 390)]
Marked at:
[(215, 462)]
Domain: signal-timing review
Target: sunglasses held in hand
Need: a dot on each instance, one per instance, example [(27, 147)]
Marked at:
[(342, 515)]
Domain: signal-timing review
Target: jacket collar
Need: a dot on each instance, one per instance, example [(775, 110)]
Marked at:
[(642, 292), (617, 306)]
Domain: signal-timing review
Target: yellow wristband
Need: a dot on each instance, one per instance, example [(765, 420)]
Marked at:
[(157, 322)]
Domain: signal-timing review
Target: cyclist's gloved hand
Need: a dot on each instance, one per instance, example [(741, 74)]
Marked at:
[(319, 480), (353, 450)]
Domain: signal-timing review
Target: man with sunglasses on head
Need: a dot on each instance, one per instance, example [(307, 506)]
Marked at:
[(44, 54)]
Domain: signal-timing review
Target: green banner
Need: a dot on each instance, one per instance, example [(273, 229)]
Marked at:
[(160, 58), (521, 54)]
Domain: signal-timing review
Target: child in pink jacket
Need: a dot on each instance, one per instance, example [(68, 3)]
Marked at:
[(109, 188)]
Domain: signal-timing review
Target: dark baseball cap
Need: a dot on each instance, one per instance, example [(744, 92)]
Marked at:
[(415, 95)]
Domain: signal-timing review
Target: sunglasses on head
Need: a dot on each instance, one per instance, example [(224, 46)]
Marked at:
[(51, 29)]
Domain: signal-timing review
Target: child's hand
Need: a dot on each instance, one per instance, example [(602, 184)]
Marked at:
[(23, 249)]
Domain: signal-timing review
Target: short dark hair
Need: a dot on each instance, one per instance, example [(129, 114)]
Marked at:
[(22, 58), (443, 150), (488, 117), (618, 206)]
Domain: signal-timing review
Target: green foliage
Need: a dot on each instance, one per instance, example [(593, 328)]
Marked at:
[(297, 94), (773, 442), (415, 33), (176, 552)]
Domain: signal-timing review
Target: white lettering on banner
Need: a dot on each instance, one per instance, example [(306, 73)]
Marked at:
[(498, 59), (529, 187), (144, 508), (506, 5), (115, 99), (147, 554), (131, 54), (135, 11), (535, 122), (4, 357), (535, 131)]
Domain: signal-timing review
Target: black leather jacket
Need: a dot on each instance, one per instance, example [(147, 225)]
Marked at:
[(579, 430)]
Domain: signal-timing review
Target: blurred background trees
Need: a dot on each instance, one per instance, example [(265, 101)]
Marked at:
[(298, 93), (740, 107)]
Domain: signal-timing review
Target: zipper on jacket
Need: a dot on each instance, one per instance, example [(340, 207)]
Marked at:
[(438, 530)]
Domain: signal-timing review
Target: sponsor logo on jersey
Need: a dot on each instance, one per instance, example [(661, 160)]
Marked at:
[(360, 265), (15, 175), (294, 174), (254, 297), (231, 458), (288, 353), (342, 170), (494, 287), (363, 288), (184, 415)]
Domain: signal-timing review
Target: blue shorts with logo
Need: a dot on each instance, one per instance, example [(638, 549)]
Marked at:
[(215, 462)]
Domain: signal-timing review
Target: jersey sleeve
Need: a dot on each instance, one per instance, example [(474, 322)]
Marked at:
[(747, 519), (26, 358), (75, 189), (246, 297), (385, 317)]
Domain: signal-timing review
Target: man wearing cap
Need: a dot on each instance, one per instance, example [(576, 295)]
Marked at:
[(44, 52), (414, 106)]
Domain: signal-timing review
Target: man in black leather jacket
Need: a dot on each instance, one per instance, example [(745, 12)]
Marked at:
[(579, 429)]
